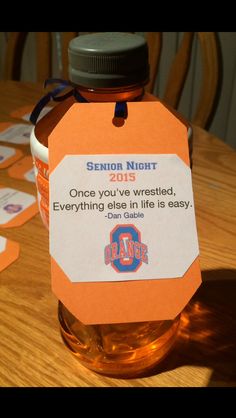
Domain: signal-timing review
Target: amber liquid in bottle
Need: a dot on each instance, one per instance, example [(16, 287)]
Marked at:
[(122, 350)]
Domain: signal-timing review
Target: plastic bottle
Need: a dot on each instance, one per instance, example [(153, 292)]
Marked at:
[(105, 67)]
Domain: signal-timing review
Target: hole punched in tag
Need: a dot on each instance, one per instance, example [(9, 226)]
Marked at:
[(121, 113)]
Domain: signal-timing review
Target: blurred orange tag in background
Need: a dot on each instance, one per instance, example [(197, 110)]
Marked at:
[(123, 238), (23, 169), (8, 155), (16, 207), (9, 252), (15, 133)]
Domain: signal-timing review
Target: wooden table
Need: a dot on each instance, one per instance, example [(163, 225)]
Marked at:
[(31, 350)]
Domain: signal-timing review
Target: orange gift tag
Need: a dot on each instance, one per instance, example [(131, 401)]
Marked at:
[(17, 133), (16, 207), (9, 252), (23, 169), (123, 239), (8, 156)]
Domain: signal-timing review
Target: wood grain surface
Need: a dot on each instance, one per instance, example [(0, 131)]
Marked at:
[(31, 350)]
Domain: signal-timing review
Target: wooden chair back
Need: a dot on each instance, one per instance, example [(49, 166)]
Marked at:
[(15, 48), (179, 70)]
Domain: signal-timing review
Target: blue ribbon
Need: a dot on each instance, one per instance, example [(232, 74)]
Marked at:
[(52, 95), (121, 110)]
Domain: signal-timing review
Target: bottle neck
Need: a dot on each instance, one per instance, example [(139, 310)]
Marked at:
[(120, 94)]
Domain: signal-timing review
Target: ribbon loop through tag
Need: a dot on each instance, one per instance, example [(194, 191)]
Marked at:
[(121, 110)]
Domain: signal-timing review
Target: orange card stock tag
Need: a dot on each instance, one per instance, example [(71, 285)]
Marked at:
[(8, 156), (123, 239), (24, 112), (9, 252), (23, 169), (16, 207), (18, 133)]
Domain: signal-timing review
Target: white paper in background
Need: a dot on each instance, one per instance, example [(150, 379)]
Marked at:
[(13, 202), (8, 253), (3, 242), (44, 111), (6, 153), (30, 176), (18, 133)]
